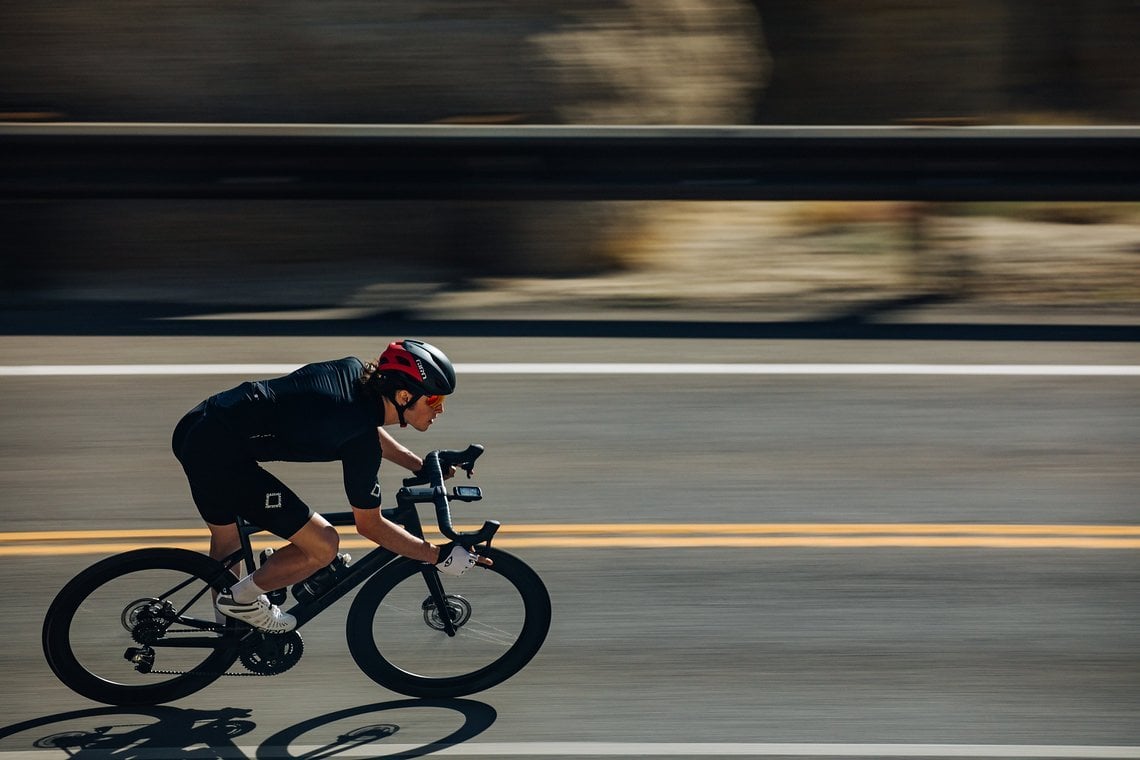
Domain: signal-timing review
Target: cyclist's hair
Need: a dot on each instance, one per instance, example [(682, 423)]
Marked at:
[(379, 385)]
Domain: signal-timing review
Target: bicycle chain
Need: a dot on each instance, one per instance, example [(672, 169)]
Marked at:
[(226, 673)]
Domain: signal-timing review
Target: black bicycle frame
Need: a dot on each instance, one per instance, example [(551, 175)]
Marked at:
[(404, 514)]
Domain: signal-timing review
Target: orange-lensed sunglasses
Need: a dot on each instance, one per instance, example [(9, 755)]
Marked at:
[(435, 402)]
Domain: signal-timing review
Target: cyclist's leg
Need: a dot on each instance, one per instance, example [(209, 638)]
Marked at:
[(310, 548), (262, 499), (225, 483), (207, 452), (224, 540)]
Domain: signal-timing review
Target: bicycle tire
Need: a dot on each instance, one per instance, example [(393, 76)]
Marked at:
[(95, 591), (386, 626)]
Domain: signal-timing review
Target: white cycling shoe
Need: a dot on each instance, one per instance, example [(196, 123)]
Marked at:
[(259, 613)]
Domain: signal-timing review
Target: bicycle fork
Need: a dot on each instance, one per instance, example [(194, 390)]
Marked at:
[(443, 619)]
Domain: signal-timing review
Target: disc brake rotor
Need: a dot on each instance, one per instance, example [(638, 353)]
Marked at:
[(133, 612), (458, 608)]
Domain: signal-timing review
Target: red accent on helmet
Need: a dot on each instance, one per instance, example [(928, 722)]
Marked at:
[(427, 366), (399, 359)]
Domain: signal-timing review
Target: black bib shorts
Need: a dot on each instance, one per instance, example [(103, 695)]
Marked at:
[(226, 480)]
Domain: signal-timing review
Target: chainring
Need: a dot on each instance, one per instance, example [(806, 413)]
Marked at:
[(266, 654)]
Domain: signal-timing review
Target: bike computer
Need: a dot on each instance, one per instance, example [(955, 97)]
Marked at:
[(468, 493)]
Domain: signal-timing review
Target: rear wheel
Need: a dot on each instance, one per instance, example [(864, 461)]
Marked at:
[(139, 628), (500, 616)]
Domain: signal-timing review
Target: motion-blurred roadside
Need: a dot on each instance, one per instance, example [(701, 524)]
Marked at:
[(632, 62)]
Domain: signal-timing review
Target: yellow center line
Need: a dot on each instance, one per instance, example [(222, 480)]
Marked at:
[(647, 536), (824, 529), (718, 529)]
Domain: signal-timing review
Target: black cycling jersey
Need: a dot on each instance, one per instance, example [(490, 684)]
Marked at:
[(319, 413)]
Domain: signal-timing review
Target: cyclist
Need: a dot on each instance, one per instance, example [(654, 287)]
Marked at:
[(322, 412)]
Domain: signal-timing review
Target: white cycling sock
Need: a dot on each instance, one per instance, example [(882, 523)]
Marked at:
[(245, 590)]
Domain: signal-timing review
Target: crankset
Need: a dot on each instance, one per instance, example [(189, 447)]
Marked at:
[(262, 654), (458, 609), (267, 654)]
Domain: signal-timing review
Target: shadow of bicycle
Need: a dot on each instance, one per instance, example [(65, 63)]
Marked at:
[(291, 742), (171, 732)]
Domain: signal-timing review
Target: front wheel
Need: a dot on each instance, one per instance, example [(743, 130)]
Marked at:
[(396, 631), (139, 629)]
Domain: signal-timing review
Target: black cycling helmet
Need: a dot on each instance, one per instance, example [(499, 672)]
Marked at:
[(424, 369)]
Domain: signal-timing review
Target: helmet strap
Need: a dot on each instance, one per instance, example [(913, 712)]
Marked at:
[(401, 408)]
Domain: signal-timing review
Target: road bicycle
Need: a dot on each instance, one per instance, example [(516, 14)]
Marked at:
[(139, 628)]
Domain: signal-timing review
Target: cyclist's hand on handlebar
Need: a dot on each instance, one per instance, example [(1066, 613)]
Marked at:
[(454, 559), (448, 472)]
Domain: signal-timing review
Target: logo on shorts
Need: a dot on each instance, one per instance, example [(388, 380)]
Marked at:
[(272, 501), (376, 490)]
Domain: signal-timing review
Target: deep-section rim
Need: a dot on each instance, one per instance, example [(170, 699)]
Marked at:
[(60, 615), (362, 645)]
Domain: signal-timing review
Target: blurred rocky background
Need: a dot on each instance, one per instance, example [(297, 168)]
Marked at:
[(580, 62)]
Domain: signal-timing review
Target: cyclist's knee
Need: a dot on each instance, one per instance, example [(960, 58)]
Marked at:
[(320, 543), (330, 545)]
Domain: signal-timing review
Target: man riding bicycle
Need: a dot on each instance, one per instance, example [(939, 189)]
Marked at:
[(329, 411)]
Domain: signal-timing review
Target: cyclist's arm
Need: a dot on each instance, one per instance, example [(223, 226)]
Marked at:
[(379, 529), (394, 451)]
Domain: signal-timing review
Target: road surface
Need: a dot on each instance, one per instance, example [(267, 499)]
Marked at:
[(959, 572)]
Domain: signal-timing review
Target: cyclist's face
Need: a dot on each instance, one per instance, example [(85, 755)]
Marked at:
[(423, 413)]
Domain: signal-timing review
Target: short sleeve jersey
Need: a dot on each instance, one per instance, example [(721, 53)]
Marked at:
[(319, 413)]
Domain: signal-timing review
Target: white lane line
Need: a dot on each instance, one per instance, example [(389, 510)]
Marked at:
[(568, 368), (89, 370), (697, 750), (382, 749), (682, 749)]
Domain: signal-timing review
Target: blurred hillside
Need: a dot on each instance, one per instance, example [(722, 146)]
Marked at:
[(636, 61), (969, 61), (531, 61), (589, 61)]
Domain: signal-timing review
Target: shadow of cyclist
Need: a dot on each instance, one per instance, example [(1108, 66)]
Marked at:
[(152, 732), (119, 733)]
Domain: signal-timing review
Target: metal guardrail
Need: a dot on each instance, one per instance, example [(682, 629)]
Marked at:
[(438, 162)]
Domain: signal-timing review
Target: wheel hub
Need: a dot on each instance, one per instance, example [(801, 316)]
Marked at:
[(148, 619), (458, 609)]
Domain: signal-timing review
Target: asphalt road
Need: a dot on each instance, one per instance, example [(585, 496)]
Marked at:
[(698, 652)]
